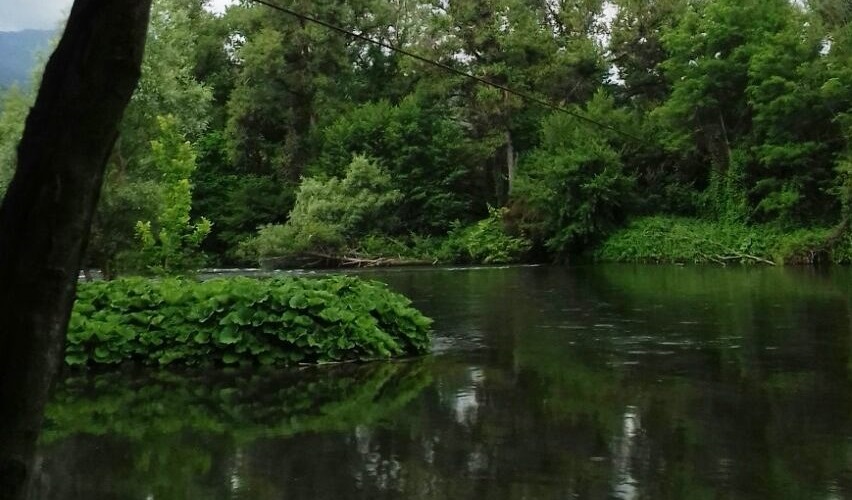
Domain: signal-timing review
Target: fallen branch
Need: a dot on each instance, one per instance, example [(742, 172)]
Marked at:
[(357, 261)]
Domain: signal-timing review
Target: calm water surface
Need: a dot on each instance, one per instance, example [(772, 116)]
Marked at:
[(600, 382)]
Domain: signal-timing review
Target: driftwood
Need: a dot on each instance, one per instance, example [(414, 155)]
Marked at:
[(319, 259), (733, 255), (726, 254), (355, 260)]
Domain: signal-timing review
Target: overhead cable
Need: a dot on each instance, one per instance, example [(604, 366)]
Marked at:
[(523, 95)]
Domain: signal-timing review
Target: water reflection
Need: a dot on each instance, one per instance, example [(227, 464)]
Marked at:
[(606, 382)]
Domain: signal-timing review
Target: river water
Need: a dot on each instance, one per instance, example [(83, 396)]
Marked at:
[(603, 382)]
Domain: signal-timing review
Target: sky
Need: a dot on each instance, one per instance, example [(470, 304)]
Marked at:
[(16, 15)]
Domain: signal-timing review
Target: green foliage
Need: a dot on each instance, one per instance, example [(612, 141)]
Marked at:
[(329, 214), (172, 246), (681, 240), (167, 85), (573, 188), (485, 242), (413, 247), (133, 190), (242, 320), (355, 204), (114, 244), (289, 75), (742, 108), (285, 241), (239, 203), (753, 100), (843, 189), (424, 149), (13, 113)]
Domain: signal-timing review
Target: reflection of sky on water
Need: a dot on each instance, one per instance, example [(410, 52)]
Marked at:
[(465, 404), (379, 471), (624, 486)]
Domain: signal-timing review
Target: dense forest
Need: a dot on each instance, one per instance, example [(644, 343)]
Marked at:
[(677, 130)]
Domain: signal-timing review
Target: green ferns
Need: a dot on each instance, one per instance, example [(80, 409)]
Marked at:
[(242, 320)]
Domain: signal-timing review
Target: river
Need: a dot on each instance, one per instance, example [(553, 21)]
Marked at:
[(599, 382)]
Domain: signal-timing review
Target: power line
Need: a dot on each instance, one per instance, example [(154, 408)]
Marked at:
[(445, 67)]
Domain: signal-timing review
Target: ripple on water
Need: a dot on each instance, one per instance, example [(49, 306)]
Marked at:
[(442, 344)]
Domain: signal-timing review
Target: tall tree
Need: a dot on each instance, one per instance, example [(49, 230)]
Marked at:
[(710, 50), (288, 69), (132, 190), (545, 48), (46, 214)]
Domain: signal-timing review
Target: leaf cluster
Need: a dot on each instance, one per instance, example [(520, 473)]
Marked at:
[(485, 242), (241, 320), (330, 214)]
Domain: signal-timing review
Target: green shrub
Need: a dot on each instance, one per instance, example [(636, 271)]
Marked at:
[(426, 149), (411, 247), (276, 240), (573, 188), (485, 242), (172, 244), (275, 321), (328, 214)]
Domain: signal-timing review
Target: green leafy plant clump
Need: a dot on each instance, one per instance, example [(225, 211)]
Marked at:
[(280, 321), (486, 241)]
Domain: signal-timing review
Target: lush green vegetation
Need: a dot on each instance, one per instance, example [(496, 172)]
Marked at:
[(242, 320), (683, 240), (303, 142)]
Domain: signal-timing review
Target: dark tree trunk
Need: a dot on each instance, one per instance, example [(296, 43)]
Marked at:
[(47, 212)]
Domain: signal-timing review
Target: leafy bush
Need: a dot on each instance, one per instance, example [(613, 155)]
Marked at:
[(485, 242), (277, 321), (329, 214), (573, 188), (427, 150), (172, 244), (238, 202), (14, 106), (410, 247), (277, 240)]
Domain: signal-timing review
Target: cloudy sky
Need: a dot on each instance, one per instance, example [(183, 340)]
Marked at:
[(47, 14)]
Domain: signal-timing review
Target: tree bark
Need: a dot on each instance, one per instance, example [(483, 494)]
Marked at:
[(46, 215)]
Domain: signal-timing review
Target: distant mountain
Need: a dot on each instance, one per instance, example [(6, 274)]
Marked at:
[(19, 52)]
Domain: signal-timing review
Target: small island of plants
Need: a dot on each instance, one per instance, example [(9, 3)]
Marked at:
[(282, 321)]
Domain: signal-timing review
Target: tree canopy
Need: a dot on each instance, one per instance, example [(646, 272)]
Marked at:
[(741, 108)]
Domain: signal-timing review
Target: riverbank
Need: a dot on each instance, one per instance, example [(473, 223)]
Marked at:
[(680, 240), (280, 321)]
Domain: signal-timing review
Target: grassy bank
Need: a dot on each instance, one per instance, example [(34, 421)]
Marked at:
[(242, 320), (662, 239)]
